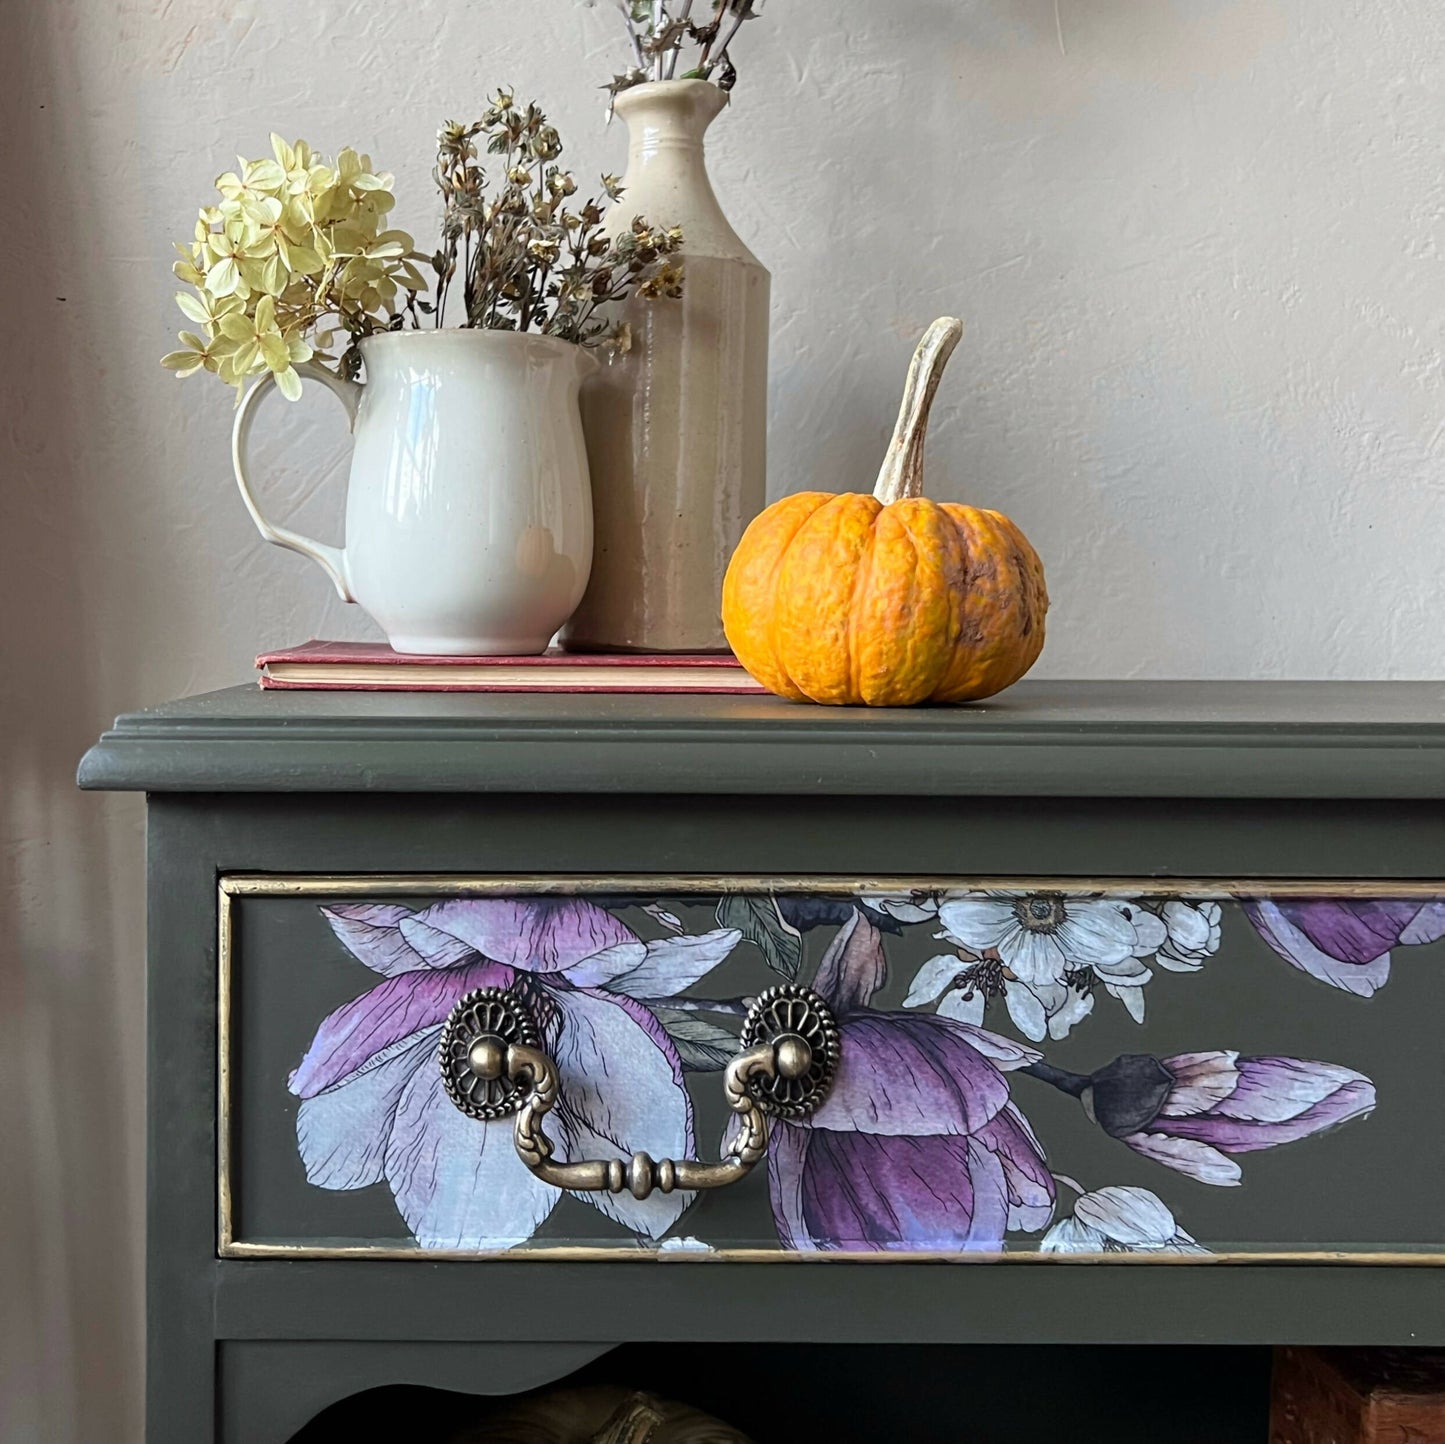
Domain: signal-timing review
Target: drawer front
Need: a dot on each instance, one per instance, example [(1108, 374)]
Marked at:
[(1026, 1070)]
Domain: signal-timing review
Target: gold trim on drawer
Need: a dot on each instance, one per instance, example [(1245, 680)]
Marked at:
[(462, 884), (236, 885)]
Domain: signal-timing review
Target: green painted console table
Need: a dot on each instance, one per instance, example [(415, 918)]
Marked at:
[(488, 1033)]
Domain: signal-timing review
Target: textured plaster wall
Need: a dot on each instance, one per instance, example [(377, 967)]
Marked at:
[(1195, 242)]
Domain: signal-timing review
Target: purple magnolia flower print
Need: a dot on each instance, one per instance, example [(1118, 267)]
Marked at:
[(373, 1107), (1192, 1111), (918, 1145), (1345, 942), (1119, 1220)]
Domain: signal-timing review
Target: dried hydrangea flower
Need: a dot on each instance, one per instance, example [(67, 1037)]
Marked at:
[(292, 241)]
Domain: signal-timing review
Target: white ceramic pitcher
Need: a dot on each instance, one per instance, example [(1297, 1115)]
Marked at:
[(469, 510)]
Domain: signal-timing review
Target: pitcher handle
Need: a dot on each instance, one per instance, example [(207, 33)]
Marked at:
[(331, 560)]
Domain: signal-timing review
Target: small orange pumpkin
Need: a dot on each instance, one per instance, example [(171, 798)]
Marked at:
[(888, 599)]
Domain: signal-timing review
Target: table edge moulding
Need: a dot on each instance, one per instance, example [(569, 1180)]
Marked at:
[(1061, 739)]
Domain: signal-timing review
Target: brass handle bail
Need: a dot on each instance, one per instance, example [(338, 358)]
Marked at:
[(493, 1065)]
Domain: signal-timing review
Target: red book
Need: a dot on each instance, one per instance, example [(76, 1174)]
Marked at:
[(374, 667)]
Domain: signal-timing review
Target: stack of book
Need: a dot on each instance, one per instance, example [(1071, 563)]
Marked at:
[(374, 667)]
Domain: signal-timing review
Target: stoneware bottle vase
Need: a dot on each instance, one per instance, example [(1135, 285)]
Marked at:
[(677, 427), (468, 511)]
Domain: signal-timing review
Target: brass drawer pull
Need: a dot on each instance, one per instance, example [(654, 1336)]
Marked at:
[(493, 1065)]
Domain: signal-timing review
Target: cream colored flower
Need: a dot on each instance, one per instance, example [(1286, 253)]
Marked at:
[(233, 249), (290, 243), (259, 345), (286, 238), (206, 309), (186, 269), (298, 163), (199, 353), (256, 180)]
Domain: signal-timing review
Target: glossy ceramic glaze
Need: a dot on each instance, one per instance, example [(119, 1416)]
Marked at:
[(677, 429), (468, 515)]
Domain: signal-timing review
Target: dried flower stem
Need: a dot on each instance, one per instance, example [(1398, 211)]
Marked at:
[(658, 29), (684, 14), (709, 35), (528, 262), (632, 34), (737, 19)]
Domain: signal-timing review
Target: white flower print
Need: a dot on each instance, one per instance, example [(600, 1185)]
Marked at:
[(1041, 937), (904, 907), (1193, 929), (1119, 1220), (951, 980), (1044, 953)]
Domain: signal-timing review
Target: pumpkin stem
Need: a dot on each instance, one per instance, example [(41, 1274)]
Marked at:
[(902, 471)]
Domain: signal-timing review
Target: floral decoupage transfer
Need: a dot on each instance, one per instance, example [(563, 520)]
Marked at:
[(970, 1111)]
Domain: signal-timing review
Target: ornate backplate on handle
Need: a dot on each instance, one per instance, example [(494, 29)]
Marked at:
[(1020, 1070), (488, 1020)]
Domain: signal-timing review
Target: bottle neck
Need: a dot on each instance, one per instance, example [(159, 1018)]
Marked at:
[(667, 181), (664, 114)]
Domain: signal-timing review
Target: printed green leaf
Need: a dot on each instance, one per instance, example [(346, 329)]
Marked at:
[(702, 1045), (760, 923)]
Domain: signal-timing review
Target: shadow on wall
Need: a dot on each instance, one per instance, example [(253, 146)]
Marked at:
[(71, 965)]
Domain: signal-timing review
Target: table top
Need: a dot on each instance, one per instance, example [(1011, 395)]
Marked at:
[(1146, 739)]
